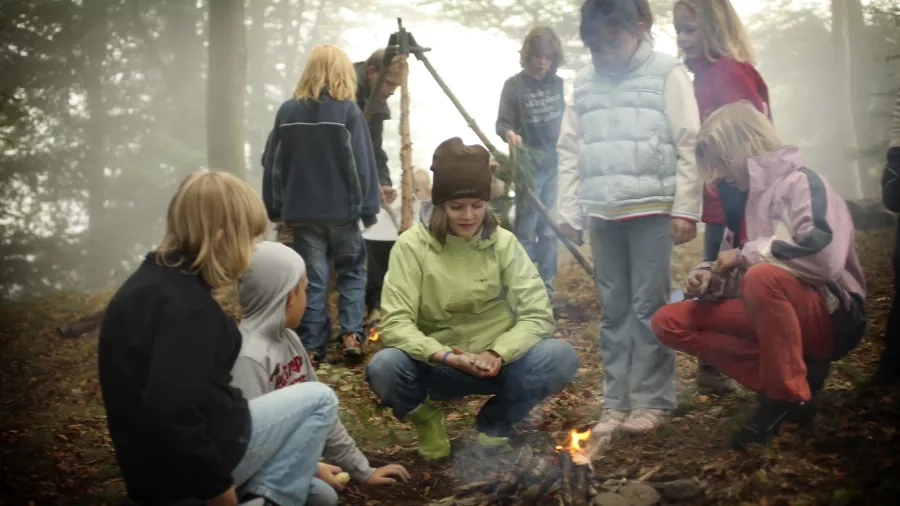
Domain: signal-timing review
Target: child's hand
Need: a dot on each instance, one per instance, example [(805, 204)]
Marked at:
[(388, 194), (513, 139), (383, 475), (696, 283), (574, 236), (727, 260), (328, 474), (683, 230)]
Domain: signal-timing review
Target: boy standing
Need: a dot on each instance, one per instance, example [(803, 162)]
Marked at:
[(531, 108), (273, 299)]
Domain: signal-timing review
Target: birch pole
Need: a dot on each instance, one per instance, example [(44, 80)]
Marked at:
[(406, 174)]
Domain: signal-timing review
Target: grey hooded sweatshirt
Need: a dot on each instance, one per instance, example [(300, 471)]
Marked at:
[(272, 356)]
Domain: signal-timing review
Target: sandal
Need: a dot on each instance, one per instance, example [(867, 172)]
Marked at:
[(644, 420)]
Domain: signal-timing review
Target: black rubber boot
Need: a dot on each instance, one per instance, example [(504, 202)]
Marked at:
[(767, 421)]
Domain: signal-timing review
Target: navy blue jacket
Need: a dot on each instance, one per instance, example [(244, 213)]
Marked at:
[(319, 166)]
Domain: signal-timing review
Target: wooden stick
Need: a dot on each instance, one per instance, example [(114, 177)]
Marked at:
[(565, 461), (581, 484), (649, 474), (81, 326), (406, 178)]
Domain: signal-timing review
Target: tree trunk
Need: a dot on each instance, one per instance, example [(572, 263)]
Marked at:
[(846, 29), (259, 120), (97, 269), (186, 84), (226, 87)]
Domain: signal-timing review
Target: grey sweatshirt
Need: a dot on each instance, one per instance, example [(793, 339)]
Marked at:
[(272, 356)]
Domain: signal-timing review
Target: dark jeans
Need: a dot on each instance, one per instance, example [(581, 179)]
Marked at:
[(890, 357), (712, 241), (377, 255), (403, 383), (320, 246)]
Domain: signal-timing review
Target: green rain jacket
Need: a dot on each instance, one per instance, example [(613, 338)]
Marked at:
[(476, 294)]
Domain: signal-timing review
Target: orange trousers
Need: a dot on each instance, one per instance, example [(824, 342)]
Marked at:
[(760, 339)]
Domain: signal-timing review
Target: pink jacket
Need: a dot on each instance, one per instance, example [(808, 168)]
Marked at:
[(795, 219)]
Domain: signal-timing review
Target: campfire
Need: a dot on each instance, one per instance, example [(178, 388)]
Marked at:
[(373, 334), (532, 480)]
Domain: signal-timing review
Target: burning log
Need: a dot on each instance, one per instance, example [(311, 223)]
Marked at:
[(530, 479)]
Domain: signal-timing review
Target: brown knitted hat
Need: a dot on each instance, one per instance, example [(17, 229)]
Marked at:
[(460, 171)]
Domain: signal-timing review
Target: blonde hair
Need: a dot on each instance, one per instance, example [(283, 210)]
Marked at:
[(213, 221), (721, 30), (439, 222), (422, 174), (731, 135), (328, 70)]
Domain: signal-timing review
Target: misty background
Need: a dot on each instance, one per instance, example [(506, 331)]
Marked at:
[(103, 103)]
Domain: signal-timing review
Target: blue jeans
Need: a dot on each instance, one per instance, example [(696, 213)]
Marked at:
[(288, 435), (532, 230), (404, 383), (320, 246), (632, 259)]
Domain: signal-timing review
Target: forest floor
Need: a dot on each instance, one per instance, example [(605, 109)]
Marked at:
[(55, 449)]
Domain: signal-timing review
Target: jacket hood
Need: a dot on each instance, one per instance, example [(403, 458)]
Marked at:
[(767, 168), (275, 270)]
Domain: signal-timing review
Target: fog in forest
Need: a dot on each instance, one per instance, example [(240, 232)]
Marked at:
[(105, 102)]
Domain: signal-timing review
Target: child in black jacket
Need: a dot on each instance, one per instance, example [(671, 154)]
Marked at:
[(166, 351), (320, 178)]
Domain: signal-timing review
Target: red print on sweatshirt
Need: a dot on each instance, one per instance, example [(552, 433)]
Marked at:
[(289, 373)]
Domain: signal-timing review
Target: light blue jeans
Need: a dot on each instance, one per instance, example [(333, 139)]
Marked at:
[(632, 260), (403, 383), (289, 427)]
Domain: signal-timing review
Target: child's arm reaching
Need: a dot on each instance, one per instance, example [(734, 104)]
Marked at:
[(684, 123)]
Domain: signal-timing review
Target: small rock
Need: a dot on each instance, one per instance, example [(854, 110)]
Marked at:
[(680, 490), (640, 494), (610, 499)]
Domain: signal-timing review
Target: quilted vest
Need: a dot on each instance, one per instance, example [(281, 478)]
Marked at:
[(627, 159)]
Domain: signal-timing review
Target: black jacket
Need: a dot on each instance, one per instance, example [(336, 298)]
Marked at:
[(376, 124), (165, 356), (318, 166)]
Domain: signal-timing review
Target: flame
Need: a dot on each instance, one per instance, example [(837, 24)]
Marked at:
[(574, 441), (373, 334)]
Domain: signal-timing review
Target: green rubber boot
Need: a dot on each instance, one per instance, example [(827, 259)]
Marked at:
[(496, 444), (429, 423)]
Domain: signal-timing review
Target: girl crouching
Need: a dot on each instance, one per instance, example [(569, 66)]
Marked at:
[(775, 312)]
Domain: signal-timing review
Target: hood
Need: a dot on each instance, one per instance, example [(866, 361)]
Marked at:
[(767, 168), (275, 270)]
